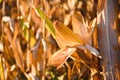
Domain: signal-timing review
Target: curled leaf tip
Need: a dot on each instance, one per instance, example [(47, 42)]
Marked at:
[(93, 51)]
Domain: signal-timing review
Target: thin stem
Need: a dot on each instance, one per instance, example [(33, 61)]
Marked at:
[(3, 9), (18, 6), (44, 61), (108, 41), (44, 47)]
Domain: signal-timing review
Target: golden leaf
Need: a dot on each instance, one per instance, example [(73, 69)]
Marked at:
[(80, 27), (59, 57), (2, 76)]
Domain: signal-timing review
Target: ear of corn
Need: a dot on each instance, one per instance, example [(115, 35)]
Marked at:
[(65, 36)]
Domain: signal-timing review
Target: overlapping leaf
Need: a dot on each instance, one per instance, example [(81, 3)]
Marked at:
[(48, 22), (59, 57), (81, 28)]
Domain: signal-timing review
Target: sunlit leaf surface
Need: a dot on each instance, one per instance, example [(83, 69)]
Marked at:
[(59, 57), (48, 23)]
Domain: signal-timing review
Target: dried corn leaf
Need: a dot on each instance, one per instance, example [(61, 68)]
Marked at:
[(59, 57), (84, 58), (80, 27), (34, 57), (17, 52), (18, 55), (93, 50), (101, 5), (15, 45), (31, 63), (2, 76)]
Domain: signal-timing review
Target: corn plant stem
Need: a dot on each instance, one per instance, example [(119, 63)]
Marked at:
[(108, 41), (43, 77), (44, 46), (29, 19), (2, 75), (44, 61), (69, 70), (3, 9), (44, 68), (17, 2)]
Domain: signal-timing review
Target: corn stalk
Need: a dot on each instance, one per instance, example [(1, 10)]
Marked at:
[(108, 39)]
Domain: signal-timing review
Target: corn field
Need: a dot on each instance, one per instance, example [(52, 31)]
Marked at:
[(59, 39)]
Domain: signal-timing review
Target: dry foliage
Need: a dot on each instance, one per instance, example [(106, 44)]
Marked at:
[(59, 40)]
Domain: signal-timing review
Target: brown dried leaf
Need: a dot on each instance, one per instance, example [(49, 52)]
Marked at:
[(17, 52), (59, 57), (101, 5), (80, 27), (86, 59), (31, 63), (93, 50), (18, 55), (84, 31), (34, 57)]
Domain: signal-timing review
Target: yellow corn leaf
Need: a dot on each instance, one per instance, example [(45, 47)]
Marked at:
[(65, 36), (2, 77), (32, 41), (59, 57)]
